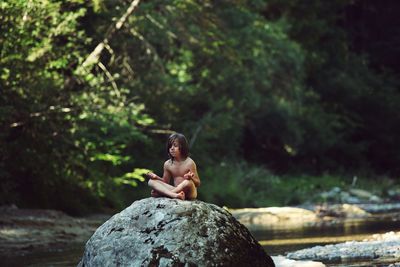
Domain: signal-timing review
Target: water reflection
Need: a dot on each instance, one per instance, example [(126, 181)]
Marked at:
[(57, 258)]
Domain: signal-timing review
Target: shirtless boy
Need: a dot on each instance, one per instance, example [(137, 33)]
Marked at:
[(181, 168)]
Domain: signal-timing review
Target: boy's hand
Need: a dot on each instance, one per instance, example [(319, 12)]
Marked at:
[(189, 175), (151, 175)]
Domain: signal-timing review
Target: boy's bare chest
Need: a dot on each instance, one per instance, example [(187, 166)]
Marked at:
[(178, 169)]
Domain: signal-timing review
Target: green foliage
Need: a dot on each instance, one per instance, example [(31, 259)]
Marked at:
[(60, 131), (129, 178), (239, 185), (270, 84)]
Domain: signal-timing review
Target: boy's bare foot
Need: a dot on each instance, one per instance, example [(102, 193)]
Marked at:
[(154, 193), (181, 195)]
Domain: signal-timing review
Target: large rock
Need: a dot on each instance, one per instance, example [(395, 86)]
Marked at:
[(341, 211), (170, 232), (261, 218)]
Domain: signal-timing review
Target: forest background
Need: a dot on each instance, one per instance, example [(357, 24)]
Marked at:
[(280, 100)]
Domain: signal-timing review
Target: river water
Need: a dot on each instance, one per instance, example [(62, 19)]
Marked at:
[(281, 239), (275, 240)]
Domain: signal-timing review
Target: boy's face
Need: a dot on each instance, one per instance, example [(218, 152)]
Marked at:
[(174, 149)]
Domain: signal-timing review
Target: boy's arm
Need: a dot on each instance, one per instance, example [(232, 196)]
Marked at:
[(195, 178), (167, 174), (153, 176)]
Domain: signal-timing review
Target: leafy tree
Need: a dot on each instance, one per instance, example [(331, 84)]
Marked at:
[(49, 144), (90, 90)]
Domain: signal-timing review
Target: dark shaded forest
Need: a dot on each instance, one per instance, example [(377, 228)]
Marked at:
[(279, 99)]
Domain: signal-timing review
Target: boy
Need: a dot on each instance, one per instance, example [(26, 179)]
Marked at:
[(181, 168)]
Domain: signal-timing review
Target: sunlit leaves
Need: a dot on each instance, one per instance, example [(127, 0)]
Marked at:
[(113, 159), (181, 69), (131, 178)]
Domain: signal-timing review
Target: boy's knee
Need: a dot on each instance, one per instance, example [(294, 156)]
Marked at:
[(188, 183), (150, 182), (190, 190)]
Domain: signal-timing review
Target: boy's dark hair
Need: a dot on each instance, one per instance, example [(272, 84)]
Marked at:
[(183, 145)]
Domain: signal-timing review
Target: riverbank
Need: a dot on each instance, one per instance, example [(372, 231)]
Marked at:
[(308, 215), (340, 234), (27, 235), (27, 231)]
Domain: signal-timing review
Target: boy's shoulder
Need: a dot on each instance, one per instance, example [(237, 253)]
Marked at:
[(188, 160), (168, 162)]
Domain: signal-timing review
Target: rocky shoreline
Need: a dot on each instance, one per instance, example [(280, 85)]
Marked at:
[(380, 247), (383, 249), (261, 218)]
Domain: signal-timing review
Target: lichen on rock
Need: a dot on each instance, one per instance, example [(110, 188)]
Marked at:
[(170, 232)]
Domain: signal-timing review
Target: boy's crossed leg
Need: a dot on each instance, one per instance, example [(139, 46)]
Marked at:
[(165, 189), (188, 187)]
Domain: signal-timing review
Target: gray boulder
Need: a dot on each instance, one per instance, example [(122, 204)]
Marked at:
[(170, 232)]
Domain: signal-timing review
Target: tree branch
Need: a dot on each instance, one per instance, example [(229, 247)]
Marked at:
[(93, 58)]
